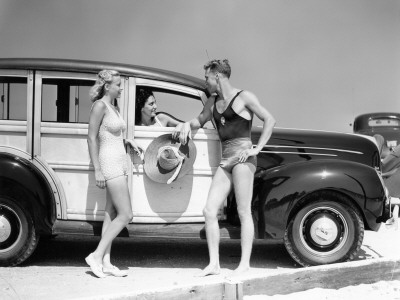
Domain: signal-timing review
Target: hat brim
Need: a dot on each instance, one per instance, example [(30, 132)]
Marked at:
[(153, 169)]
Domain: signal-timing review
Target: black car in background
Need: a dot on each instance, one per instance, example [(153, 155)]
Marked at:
[(386, 124), (315, 190)]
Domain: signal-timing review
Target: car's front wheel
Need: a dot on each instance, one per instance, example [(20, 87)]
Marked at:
[(18, 239), (324, 232)]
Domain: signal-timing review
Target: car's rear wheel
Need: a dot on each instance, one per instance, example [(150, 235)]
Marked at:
[(18, 239), (324, 232)]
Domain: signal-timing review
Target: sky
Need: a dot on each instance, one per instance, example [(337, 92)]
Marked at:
[(312, 63)]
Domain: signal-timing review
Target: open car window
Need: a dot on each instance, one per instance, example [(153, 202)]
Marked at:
[(182, 106)]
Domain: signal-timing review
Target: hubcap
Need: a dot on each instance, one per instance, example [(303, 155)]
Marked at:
[(10, 228), (5, 229), (323, 231)]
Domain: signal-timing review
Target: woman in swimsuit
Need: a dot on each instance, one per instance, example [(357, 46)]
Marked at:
[(107, 152), (146, 111)]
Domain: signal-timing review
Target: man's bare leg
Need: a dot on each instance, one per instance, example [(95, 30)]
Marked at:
[(219, 190), (243, 178)]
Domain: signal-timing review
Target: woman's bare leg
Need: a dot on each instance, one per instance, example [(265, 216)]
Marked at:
[(109, 214), (118, 189)]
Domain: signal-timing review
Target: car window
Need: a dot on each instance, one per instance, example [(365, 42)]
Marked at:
[(66, 100), (13, 93), (384, 122), (180, 105)]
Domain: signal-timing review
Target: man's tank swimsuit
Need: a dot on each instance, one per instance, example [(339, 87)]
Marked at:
[(234, 132)]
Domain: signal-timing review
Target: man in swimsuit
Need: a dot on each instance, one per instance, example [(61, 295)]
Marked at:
[(233, 112)]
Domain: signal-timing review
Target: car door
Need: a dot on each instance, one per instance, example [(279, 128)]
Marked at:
[(62, 108), (184, 199)]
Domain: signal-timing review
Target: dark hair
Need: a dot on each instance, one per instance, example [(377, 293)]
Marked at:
[(142, 94), (219, 65)]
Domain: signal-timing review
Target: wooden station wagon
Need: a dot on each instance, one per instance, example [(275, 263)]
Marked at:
[(318, 191)]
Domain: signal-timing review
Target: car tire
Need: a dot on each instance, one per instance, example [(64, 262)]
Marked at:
[(325, 231), (18, 238)]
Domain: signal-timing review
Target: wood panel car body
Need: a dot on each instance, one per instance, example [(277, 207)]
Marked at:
[(315, 190)]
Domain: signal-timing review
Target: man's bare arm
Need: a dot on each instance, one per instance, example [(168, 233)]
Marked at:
[(183, 130), (254, 105)]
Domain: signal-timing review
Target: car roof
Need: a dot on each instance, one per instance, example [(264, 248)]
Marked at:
[(87, 66), (375, 115), (361, 121)]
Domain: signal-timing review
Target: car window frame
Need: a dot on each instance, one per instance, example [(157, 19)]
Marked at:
[(159, 84), (24, 126), (61, 127)]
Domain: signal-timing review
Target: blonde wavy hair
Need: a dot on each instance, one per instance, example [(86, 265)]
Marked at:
[(105, 76)]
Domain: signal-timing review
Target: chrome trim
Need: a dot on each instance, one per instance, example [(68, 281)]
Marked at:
[(313, 148), (298, 153), (311, 130), (6, 230), (343, 240)]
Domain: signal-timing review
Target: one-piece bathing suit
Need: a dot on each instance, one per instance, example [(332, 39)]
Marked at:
[(157, 122), (235, 135), (112, 155)]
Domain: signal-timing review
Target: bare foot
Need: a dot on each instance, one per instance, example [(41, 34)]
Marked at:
[(209, 270), (238, 272)]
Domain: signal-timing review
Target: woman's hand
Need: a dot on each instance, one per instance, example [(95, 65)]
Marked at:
[(136, 147), (100, 181)]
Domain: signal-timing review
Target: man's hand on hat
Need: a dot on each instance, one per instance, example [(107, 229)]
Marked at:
[(182, 132), (167, 160)]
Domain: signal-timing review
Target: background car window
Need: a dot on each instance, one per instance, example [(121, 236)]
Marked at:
[(66, 100), (13, 93), (180, 105)]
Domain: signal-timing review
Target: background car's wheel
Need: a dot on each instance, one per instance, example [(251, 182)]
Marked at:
[(17, 233), (325, 232)]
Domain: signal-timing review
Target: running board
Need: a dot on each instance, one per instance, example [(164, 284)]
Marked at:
[(139, 230)]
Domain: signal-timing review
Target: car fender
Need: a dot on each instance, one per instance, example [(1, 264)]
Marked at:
[(280, 192), (29, 182)]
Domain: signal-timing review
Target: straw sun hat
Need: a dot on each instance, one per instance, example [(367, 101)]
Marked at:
[(166, 159)]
